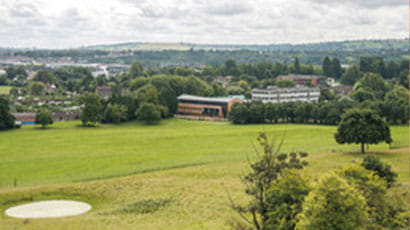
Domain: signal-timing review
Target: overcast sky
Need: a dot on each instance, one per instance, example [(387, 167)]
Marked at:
[(73, 23)]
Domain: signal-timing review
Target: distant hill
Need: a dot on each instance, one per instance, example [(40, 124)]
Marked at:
[(370, 45), (140, 46), (155, 55)]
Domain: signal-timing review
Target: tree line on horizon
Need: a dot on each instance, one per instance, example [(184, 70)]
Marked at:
[(378, 86)]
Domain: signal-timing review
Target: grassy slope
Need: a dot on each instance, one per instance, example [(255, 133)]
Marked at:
[(198, 194), (68, 153)]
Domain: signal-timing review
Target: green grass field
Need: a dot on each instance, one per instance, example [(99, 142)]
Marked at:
[(66, 153), (192, 165), (5, 90)]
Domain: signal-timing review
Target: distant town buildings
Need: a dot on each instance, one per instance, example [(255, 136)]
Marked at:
[(50, 88), (275, 94), (28, 118), (301, 79), (198, 107), (223, 81)]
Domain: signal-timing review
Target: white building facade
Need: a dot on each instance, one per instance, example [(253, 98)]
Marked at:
[(276, 95)]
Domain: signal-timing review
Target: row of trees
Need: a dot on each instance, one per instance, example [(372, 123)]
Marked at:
[(149, 99), (358, 196), (259, 74), (328, 113), (389, 101)]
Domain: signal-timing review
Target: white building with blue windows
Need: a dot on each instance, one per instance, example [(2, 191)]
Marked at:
[(276, 95)]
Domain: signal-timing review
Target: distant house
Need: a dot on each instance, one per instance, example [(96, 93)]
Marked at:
[(342, 90), (223, 81), (25, 118), (104, 91), (99, 70), (276, 95), (113, 69), (28, 118), (205, 107), (50, 88), (301, 79), (66, 116)]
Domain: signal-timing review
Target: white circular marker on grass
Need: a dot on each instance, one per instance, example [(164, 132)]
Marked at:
[(48, 209)]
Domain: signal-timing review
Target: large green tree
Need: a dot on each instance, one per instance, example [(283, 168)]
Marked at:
[(91, 113), (270, 166), (337, 68), (296, 65), (148, 94), (148, 112), (386, 209), (327, 67), (239, 114), (136, 69), (6, 119), (374, 83), (362, 127), (333, 204), (45, 76), (114, 113), (230, 68), (44, 118), (36, 88), (16, 72), (351, 75), (284, 200)]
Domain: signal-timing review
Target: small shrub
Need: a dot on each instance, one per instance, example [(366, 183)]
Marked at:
[(383, 170)]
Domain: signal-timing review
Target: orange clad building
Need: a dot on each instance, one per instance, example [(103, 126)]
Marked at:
[(205, 107)]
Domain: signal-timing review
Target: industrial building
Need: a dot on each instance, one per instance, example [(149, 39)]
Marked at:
[(275, 94), (205, 107)]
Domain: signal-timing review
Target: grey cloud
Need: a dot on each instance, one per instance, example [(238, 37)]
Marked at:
[(365, 3), (71, 18), (228, 8), (23, 10), (47, 24), (151, 11)]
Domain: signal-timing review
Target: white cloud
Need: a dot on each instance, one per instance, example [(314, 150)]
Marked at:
[(62, 24)]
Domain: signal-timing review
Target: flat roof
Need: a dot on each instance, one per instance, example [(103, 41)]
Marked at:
[(205, 99), (296, 88), (299, 76)]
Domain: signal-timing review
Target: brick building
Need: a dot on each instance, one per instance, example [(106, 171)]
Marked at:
[(205, 107), (301, 79)]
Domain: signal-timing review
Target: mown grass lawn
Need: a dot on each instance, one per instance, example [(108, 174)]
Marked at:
[(46, 162), (5, 90), (66, 152)]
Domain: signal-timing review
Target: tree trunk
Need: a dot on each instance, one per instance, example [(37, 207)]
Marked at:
[(362, 147)]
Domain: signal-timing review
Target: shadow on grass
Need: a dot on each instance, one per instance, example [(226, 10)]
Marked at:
[(139, 172), (42, 128), (145, 206), (87, 126), (373, 153)]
